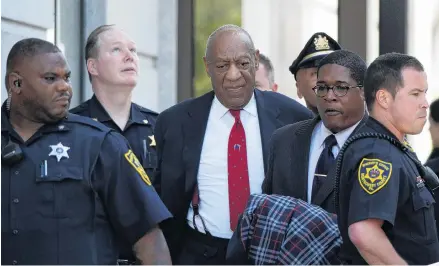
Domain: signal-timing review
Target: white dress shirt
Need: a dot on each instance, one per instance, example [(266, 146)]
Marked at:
[(318, 137), (213, 171)]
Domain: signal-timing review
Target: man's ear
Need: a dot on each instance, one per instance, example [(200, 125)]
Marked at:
[(14, 82), (383, 98), (91, 67), (206, 65)]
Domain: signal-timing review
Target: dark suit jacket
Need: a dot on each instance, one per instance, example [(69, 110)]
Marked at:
[(179, 135), (287, 173)]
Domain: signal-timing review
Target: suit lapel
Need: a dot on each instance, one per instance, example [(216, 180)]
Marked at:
[(328, 185), (300, 158), (194, 129), (268, 122)]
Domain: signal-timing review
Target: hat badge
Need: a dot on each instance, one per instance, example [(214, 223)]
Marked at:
[(321, 43)]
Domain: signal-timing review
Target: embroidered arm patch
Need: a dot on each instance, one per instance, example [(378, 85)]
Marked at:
[(373, 174), (132, 159)]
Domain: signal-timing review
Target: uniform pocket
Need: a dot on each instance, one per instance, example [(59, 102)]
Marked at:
[(424, 229), (61, 189), (150, 162)]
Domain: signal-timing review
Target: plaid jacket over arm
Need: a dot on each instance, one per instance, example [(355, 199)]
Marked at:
[(284, 230)]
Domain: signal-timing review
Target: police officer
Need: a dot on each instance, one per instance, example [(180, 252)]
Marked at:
[(112, 64), (386, 211), (66, 177), (304, 68)]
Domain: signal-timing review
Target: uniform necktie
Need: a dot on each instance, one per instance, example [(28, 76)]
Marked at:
[(239, 187), (325, 161)]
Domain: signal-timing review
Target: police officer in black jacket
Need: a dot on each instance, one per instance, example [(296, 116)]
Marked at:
[(112, 64), (386, 213), (69, 184)]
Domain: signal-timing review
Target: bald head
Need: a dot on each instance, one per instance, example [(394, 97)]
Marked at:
[(229, 29)]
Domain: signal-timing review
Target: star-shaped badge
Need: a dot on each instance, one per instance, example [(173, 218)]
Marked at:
[(59, 151), (152, 144)]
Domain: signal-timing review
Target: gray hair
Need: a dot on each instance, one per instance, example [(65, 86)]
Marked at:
[(228, 28)]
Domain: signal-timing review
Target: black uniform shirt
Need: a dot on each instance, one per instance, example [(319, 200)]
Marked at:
[(379, 181), (139, 131), (77, 178)]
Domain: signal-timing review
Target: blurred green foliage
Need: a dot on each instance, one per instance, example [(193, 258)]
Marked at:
[(209, 15)]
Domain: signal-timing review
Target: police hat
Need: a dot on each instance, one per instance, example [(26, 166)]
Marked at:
[(319, 45)]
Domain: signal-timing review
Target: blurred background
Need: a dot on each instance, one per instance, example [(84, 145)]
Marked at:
[(171, 37)]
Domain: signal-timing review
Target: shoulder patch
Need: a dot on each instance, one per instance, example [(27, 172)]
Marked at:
[(373, 174), (132, 159)]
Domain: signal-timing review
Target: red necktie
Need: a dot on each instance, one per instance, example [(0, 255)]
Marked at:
[(239, 188)]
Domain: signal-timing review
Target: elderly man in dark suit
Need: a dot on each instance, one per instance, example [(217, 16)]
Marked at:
[(212, 149), (302, 154)]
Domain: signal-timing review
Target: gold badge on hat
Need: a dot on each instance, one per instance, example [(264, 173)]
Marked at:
[(321, 43)]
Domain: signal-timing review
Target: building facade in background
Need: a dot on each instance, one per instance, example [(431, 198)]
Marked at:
[(153, 24), (165, 34)]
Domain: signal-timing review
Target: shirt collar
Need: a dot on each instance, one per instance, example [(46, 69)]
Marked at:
[(47, 128), (341, 136), (136, 115), (98, 112), (218, 110)]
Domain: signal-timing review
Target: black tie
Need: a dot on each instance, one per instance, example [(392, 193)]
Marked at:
[(325, 161)]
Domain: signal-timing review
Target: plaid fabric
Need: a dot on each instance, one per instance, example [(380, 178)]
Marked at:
[(284, 230)]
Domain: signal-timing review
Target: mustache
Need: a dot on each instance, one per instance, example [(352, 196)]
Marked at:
[(63, 95)]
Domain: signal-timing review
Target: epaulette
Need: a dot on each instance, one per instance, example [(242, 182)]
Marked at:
[(146, 110), (78, 119)]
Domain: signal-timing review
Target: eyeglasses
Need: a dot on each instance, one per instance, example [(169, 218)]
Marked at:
[(339, 90)]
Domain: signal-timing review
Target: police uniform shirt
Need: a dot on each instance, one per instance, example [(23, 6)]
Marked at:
[(50, 199), (379, 181), (139, 130)]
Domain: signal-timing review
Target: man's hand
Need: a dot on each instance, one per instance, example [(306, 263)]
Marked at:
[(152, 249), (373, 244)]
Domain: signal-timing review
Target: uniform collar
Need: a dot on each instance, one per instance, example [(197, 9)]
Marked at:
[(98, 112), (380, 128), (59, 126)]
